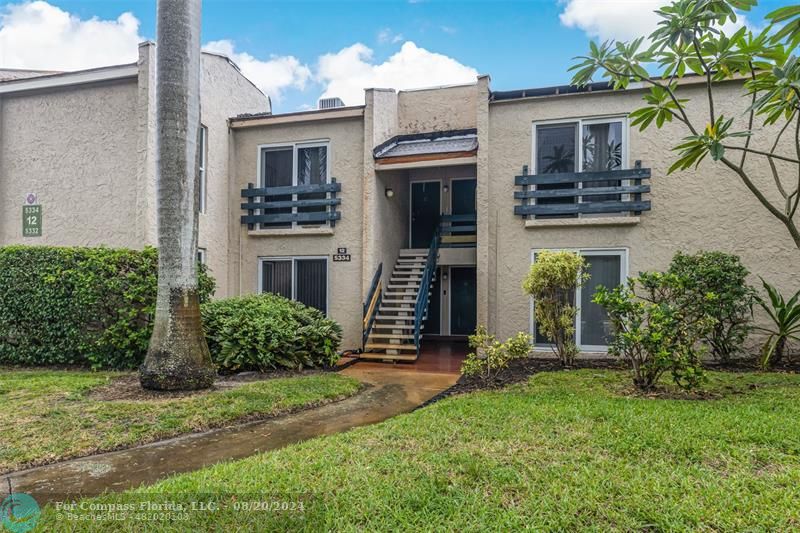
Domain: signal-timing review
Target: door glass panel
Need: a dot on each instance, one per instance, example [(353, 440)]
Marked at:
[(277, 277), (595, 327), (602, 150), (277, 172), (312, 283), (555, 153), (312, 169)]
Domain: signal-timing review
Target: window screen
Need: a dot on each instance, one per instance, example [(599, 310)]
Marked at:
[(277, 172), (555, 153)]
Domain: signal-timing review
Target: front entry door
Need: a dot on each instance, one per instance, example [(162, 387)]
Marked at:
[(463, 300), (463, 196), (426, 208)]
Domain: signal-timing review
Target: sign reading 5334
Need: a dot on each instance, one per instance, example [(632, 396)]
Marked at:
[(31, 220)]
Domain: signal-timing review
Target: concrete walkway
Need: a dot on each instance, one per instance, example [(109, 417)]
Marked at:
[(393, 390)]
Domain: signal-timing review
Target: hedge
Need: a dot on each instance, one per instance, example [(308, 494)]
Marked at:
[(79, 306), (267, 331)]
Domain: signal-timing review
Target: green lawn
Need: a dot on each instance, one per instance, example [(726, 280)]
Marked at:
[(51, 415), (566, 451)]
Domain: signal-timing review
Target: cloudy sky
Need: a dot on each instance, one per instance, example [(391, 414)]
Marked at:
[(297, 51)]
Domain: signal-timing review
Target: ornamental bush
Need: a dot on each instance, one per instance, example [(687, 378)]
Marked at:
[(79, 306), (552, 281), (490, 356), (655, 331), (716, 283), (266, 331)]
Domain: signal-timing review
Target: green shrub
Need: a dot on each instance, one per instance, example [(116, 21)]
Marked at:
[(266, 331), (489, 356), (717, 283), (654, 332), (79, 306), (552, 281), (785, 327)]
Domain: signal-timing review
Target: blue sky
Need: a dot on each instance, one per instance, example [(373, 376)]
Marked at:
[(300, 50)]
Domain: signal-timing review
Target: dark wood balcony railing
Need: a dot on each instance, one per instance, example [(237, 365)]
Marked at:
[(458, 230), (575, 193), (306, 204)]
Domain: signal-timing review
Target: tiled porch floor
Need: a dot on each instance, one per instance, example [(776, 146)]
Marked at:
[(442, 357)]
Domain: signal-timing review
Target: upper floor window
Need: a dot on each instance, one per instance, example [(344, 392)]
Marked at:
[(203, 148), (583, 145), (294, 165)]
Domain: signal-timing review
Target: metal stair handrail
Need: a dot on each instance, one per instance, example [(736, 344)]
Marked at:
[(421, 306)]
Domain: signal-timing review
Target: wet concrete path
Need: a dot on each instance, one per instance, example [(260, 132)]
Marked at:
[(392, 390)]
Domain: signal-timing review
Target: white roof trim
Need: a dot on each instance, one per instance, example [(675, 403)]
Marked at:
[(70, 78)]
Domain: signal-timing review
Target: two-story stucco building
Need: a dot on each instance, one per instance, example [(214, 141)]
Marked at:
[(84, 143), (416, 215)]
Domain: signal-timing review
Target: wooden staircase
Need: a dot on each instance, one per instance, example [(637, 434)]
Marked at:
[(392, 334)]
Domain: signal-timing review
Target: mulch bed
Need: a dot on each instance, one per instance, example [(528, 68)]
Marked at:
[(518, 370), (128, 387)]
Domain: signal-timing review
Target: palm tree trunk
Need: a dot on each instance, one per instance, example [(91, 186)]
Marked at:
[(178, 357)]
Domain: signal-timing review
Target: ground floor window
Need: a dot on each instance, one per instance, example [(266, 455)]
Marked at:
[(304, 279), (607, 267)]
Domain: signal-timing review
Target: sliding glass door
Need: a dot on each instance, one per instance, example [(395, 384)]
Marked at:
[(592, 328)]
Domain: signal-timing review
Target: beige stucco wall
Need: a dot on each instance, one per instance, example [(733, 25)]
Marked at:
[(224, 93), (706, 209), (80, 159), (437, 109), (346, 152)]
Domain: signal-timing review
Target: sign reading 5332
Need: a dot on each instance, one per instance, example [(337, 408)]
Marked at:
[(31, 220)]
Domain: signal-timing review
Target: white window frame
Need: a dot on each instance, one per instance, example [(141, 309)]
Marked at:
[(624, 255), (202, 174), (579, 123), (295, 146), (293, 259)]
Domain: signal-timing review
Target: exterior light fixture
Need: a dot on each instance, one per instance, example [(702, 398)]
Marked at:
[(389, 192), (445, 188)]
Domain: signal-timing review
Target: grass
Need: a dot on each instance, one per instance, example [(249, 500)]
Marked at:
[(566, 451), (50, 415)]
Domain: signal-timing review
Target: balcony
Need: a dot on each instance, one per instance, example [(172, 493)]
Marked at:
[(287, 206), (458, 231), (573, 194)]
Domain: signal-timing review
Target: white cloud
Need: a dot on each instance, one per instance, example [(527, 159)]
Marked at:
[(349, 71), (273, 75), (37, 35), (387, 36), (618, 19)]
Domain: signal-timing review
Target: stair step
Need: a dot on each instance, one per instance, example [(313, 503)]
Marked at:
[(405, 252), (405, 287), (410, 301), (415, 280), (391, 336), (393, 326), (390, 309), (393, 318), (409, 266), (385, 346), (377, 356)]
